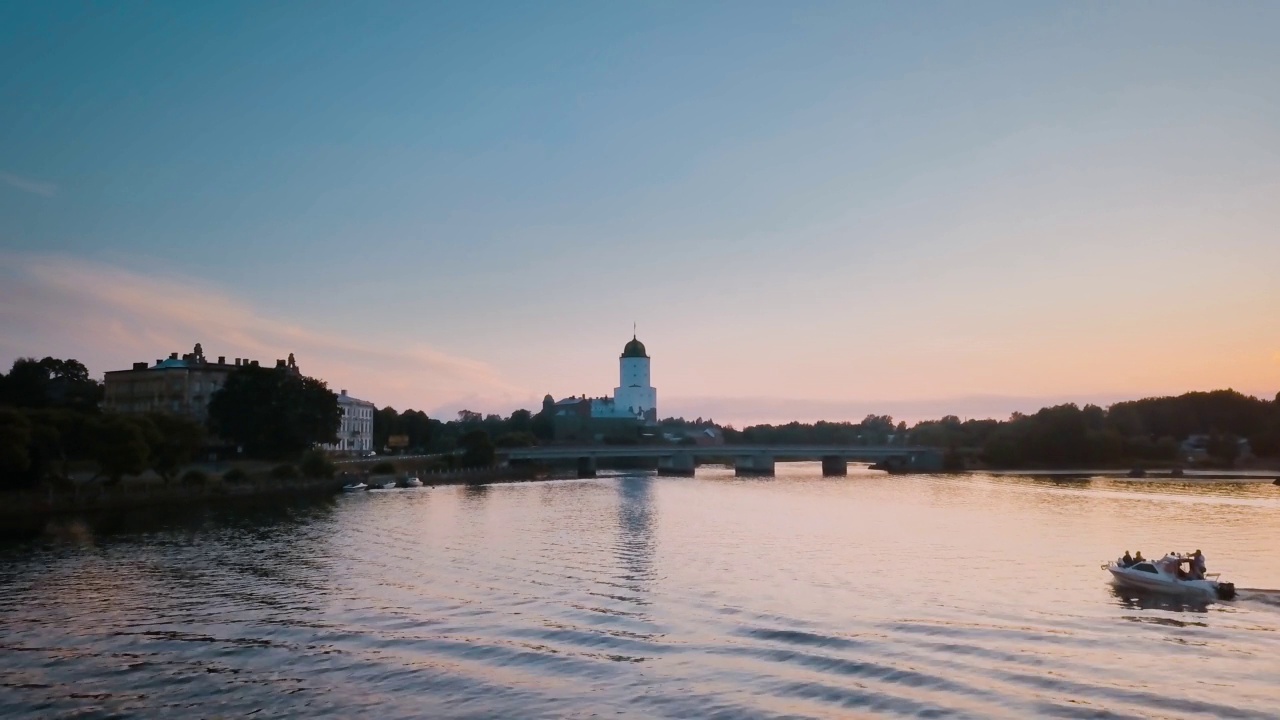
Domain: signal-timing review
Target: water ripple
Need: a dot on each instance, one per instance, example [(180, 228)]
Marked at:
[(634, 596)]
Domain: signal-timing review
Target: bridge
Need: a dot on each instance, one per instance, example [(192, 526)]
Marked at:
[(748, 460)]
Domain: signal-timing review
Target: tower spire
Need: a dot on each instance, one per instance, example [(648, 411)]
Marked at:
[(633, 329)]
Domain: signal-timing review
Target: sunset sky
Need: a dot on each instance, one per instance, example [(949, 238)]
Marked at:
[(812, 210)]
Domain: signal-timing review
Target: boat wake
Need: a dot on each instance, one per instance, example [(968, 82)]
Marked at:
[(1259, 595)]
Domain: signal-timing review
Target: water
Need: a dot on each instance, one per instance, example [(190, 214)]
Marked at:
[(635, 596)]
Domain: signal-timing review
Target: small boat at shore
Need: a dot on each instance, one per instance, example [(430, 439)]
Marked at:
[(1162, 576), (354, 487), (412, 482)]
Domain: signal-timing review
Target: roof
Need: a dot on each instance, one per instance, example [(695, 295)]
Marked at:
[(634, 349)]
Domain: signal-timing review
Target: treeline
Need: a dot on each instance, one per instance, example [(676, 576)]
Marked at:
[(36, 445), (423, 434), (873, 430), (51, 424), (1148, 430), (49, 420)]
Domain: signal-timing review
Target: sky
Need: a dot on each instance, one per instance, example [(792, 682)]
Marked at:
[(810, 210)]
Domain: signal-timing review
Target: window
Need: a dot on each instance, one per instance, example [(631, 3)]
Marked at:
[(1146, 567)]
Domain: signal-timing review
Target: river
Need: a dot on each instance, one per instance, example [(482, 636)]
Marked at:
[(640, 596)]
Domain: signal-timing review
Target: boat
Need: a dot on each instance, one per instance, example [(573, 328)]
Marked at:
[(1162, 576), (412, 482), (384, 485), (355, 486)]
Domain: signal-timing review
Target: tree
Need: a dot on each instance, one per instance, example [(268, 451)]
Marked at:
[(1224, 448), (26, 385), (521, 421), (173, 442), (15, 442), (417, 426), (515, 439), (274, 412), (477, 449), (50, 382), (119, 449), (385, 424)]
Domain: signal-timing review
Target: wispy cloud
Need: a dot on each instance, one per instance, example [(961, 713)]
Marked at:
[(108, 317), (36, 187)]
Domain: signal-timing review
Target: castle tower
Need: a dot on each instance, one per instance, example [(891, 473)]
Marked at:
[(634, 391)]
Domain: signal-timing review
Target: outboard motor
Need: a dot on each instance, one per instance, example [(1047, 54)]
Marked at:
[(1226, 591)]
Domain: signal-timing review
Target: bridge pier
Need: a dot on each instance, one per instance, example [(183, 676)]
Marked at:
[(678, 465), (586, 467), (834, 466), (755, 465)]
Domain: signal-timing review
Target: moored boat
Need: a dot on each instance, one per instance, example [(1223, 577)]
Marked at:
[(1163, 576), (354, 487), (412, 482)]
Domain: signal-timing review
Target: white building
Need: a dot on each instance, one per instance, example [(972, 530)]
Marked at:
[(634, 397), (355, 434)]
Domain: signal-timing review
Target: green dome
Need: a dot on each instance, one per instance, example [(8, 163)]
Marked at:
[(634, 349)]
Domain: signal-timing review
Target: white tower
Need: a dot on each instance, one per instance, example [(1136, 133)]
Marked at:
[(634, 393)]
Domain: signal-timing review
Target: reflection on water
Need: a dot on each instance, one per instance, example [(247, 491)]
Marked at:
[(1145, 600), (800, 596), (635, 529)]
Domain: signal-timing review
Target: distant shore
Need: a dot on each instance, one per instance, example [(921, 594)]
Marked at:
[(1261, 476)]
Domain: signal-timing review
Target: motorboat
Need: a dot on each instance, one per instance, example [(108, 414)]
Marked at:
[(1162, 576), (384, 485), (412, 482), (354, 487)]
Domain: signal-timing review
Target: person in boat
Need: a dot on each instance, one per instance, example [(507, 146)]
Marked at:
[(1127, 560), (1197, 565), (1138, 558)]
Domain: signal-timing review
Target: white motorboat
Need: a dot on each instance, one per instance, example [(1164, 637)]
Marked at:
[(353, 487), (412, 482), (1162, 576)]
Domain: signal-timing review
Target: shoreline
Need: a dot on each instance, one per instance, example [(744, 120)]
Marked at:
[(1204, 476), (28, 513)]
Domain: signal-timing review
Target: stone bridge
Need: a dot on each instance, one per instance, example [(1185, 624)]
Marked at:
[(747, 459)]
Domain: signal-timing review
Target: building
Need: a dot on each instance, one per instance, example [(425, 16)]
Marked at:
[(634, 403), (178, 385), (355, 433), (175, 385), (634, 396)]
